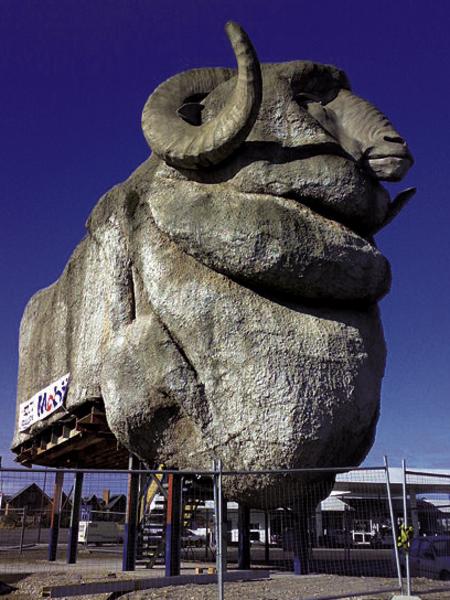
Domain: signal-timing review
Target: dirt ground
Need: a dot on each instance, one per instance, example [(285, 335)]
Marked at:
[(279, 587)]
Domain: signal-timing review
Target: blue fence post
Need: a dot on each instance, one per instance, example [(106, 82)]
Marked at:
[(224, 529), (243, 537), (266, 537), (130, 530), (301, 543), (75, 519), (173, 525), (55, 515)]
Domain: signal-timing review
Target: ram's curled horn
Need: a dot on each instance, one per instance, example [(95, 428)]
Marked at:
[(187, 146)]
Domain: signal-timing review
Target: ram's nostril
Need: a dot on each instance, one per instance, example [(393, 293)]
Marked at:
[(396, 139)]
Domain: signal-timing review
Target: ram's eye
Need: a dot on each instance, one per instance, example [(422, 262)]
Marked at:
[(191, 112), (304, 98), (191, 109)]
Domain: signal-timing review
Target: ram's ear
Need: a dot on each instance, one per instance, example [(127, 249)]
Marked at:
[(191, 112), (396, 206)]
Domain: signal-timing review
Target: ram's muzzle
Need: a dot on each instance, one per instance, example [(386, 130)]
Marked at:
[(366, 134)]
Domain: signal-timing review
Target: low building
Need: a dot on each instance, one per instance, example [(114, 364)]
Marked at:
[(30, 498)]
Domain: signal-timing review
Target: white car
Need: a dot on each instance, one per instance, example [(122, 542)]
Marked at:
[(429, 557)]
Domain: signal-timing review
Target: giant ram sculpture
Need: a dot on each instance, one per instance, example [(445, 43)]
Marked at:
[(224, 301)]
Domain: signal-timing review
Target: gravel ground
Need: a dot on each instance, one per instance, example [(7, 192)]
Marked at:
[(279, 587), (288, 588)]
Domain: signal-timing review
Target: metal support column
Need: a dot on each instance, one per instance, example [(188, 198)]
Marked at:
[(393, 524), (300, 543), (173, 525), (218, 515), (55, 515), (244, 537), (319, 523), (405, 523), (75, 519), (414, 511), (22, 532), (266, 537), (42, 509), (130, 531), (224, 516), (207, 534)]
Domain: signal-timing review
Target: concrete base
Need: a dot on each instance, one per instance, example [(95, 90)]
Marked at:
[(137, 584), (405, 597)]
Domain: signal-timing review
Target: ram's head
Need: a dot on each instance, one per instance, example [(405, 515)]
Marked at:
[(321, 90), (290, 131)]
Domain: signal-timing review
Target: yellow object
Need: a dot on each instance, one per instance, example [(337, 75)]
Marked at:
[(405, 536), (152, 490)]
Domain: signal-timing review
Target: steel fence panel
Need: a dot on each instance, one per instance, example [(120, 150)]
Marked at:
[(299, 524), (333, 522), (427, 496)]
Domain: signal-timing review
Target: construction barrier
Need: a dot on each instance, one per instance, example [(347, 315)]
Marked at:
[(145, 527)]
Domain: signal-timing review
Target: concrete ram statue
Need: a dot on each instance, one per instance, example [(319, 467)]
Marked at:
[(224, 301)]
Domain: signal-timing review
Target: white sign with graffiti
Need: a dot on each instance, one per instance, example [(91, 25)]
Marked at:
[(44, 403)]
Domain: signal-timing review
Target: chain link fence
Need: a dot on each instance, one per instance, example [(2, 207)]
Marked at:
[(125, 529), (427, 510)]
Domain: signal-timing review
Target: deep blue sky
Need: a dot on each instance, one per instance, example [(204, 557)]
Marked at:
[(74, 77)]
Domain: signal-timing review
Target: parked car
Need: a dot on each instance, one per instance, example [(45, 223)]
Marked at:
[(99, 532), (190, 538), (429, 556), (382, 540), (337, 538)]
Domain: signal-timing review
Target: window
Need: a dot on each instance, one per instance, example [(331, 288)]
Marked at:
[(426, 549), (442, 547)]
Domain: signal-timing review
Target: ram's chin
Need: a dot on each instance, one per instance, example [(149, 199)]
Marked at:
[(388, 168)]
